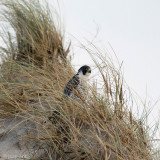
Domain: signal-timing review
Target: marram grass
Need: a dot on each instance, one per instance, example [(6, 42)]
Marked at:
[(33, 74)]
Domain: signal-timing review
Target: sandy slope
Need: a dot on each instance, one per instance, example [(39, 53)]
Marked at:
[(13, 144)]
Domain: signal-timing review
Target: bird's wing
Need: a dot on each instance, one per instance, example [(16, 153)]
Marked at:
[(72, 84)]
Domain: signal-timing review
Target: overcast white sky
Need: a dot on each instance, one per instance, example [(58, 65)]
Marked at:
[(132, 27)]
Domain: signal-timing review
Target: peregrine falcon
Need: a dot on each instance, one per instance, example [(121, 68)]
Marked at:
[(78, 83)]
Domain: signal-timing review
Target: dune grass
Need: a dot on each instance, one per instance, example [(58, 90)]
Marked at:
[(33, 73)]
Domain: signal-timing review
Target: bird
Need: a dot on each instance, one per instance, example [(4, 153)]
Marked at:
[(78, 83)]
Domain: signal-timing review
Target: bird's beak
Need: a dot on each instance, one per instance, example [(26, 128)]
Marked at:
[(89, 71)]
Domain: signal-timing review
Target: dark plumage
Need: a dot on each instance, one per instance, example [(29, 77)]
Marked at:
[(72, 84), (77, 80), (85, 69)]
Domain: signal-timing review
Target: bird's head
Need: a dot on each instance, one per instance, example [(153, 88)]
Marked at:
[(84, 71)]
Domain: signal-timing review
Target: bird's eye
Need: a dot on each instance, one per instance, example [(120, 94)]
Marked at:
[(88, 70)]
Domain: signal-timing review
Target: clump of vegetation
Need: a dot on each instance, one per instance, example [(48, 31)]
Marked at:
[(34, 71)]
